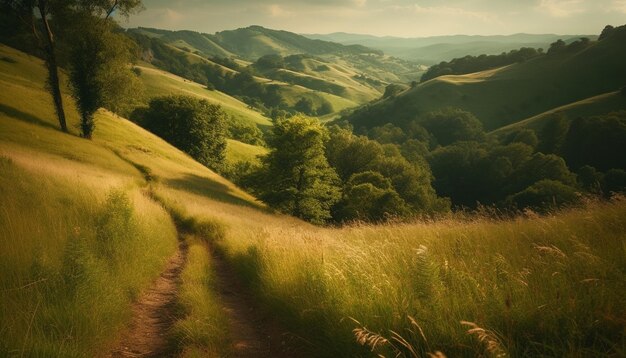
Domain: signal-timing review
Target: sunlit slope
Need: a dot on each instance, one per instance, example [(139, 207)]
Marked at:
[(510, 94), (28, 125), (160, 83), (602, 104)]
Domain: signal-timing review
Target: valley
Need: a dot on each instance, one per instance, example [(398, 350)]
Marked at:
[(260, 193)]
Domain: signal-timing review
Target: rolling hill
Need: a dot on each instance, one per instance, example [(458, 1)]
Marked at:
[(253, 42), (88, 228), (432, 50), (354, 73), (506, 95)]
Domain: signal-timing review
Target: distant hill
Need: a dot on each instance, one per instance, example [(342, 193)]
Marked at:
[(506, 95), (330, 75), (431, 50), (253, 42)]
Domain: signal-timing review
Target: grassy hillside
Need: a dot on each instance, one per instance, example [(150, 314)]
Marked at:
[(80, 239), (503, 96), (160, 83), (604, 103)]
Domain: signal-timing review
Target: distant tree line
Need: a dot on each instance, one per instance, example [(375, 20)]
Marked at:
[(471, 64)]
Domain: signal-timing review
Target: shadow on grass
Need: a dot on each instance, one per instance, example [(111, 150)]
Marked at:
[(26, 117), (210, 189)]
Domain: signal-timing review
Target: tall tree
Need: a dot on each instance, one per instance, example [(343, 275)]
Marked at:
[(46, 40), (99, 58), (296, 177)]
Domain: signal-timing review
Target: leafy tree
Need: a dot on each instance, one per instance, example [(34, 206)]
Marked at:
[(350, 154), (305, 106), (99, 71), (590, 179), (369, 196), (244, 131), (599, 141), (544, 195), (296, 177), (192, 125), (325, 108), (553, 133), (448, 126), (456, 172), (388, 134), (539, 167), (270, 62), (614, 181)]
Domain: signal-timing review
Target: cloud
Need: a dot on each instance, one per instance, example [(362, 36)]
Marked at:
[(619, 5), (276, 10), (561, 8)]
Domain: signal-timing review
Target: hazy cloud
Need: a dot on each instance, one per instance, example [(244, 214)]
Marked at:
[(387, 17)]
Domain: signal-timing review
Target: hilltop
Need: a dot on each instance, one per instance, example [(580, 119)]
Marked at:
[(432, 50), (506, 95)]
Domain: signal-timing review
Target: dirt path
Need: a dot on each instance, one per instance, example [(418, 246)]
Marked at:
[(253, 333), (153, 314)]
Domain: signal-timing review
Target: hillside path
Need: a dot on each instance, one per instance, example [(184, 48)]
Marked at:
[(153, 314)]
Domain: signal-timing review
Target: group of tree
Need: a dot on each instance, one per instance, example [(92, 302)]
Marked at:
[(520, 169), (331, 175), (192, 125), (470, 64), (95, 52)]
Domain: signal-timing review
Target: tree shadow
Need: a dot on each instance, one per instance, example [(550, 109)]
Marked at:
[(210, 189), (26, 117)]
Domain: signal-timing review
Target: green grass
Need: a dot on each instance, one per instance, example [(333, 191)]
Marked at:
[(161, 83), (602, 104), (241, 152), (539, 286), (79, 239), (203, 332), (71, 262)]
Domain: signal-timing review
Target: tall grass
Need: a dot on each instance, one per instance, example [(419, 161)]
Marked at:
[(531, 286), (73, 259), (203, 329)]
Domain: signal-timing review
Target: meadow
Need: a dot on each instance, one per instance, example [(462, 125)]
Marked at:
[(82, 236)]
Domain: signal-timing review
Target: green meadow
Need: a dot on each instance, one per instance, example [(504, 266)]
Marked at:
[(87, 226)]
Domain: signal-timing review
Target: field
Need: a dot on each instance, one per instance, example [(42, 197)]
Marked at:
[(86, 226)]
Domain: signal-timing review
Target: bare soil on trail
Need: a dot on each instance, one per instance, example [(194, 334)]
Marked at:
[(153, 314), (253, 333)]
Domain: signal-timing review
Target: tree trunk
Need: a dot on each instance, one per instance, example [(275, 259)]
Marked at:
[(51, 65)]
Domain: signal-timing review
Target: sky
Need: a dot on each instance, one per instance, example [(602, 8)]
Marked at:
[(401, 18)]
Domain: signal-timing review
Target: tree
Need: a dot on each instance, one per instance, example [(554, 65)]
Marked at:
[(544, 195), (296, 177), (553, 133), (369, 196), (448, 126), (46, 40), (305, 106), (99, 57), (192, 125)]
